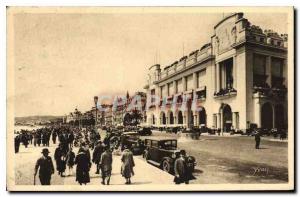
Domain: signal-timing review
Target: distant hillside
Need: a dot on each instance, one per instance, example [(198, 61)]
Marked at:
[(36, 119)]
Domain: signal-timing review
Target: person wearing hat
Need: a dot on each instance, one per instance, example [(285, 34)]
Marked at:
[(60, 158), (45, 166), (99, 149), (127, 165), (83, 167), (257, 139), (106, 165), (180, 169)]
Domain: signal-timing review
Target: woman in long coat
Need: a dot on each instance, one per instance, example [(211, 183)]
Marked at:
[(60, 159), (83, 167), (127, 165)]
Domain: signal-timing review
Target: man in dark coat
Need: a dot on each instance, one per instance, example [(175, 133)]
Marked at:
[(180, 169), (45, 166), (17, 143), (257, 140), (97, 155), (54, 136), (71, 139), (25, 139), (39, 138), (83, 167), (59, 157)]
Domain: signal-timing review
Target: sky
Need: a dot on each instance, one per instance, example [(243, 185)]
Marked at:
[(62, 61)]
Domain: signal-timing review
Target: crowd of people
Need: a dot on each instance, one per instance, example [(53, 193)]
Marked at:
[(85, 140)]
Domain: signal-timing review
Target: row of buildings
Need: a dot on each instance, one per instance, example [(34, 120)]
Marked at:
[(109, 114), (237, 80)]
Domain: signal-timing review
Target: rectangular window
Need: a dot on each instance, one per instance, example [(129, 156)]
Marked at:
[(170, 89), (259, 64), (164, 90), (277, 67), (179, 85), (201, 78), (259, 70), (277, 72), (189, 82), (226, 77)]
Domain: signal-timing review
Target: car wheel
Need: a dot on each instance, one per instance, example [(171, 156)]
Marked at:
[(166, 166)]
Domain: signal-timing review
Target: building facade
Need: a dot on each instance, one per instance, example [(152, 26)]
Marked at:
[(237, 79)]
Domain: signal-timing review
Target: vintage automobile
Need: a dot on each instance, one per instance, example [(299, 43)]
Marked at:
[(162, 153), (133, 142), (144, 131)]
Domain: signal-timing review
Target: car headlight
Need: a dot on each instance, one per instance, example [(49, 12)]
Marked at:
[(173, 156)]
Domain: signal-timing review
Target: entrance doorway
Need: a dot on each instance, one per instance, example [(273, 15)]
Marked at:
[(267, 116), (202, 117), (227, 118)]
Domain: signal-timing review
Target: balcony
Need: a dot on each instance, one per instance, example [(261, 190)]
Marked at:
[(225, 92), (201, 93), (277, 82)]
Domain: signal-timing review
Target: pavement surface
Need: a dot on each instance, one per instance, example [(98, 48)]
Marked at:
[(220, 160), (144, 173)]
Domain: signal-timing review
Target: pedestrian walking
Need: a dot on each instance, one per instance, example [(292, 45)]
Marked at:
[(106, 165), (83, 167), (70, 160), (99, 149), (35, 138), (257, 139), (17, 143), (180, 169), (127, 165), (39, 138), (60, 159), (54, 135), (45, 167)]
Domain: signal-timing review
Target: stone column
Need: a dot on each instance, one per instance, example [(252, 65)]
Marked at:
[(234, 120), (257, 114), (223, 84), (195, 120), (268, 70), (218, 120), (183, 84), (273, 108), (174, 87), (234, 67), (195, 81), (217, 77), (221, 122)]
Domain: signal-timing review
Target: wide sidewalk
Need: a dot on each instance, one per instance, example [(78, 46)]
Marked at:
[(145, 174)]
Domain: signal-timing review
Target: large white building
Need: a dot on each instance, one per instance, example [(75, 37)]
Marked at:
[(237, 79)]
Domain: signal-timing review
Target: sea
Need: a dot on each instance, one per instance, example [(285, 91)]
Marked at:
[(29, 128)]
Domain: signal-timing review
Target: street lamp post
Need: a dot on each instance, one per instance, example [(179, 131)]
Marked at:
[(96, 101)]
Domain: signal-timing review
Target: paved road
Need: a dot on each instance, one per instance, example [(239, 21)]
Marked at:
[(234, 159), (145, 173), (219, 160)]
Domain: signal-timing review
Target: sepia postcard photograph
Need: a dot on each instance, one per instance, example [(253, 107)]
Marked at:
[(150, 99)]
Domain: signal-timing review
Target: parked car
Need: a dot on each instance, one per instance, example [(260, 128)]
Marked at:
[(133, 142), (144, 131), (162, 153)]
